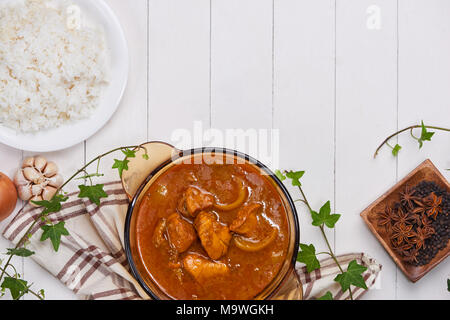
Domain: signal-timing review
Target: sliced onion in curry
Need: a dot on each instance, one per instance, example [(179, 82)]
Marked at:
[(242, 196), (158, 234), (253, 246)]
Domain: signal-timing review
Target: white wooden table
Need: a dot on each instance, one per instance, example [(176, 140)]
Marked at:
[(328, 74)]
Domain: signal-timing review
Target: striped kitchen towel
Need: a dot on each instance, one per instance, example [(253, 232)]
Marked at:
[(91, 261)]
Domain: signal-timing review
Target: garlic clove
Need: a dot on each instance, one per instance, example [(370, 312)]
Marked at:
[(35, 198), (36, 189), (28, 162), (56, 181), (19, 179), (51, 169), (24, 192), (40, 163), (32, 175), (48, 193)]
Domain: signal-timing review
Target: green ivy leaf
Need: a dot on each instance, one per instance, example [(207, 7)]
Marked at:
[(396, 150), (425, 135), (54, 233), (324, 216), (121, 165), (307, 255), (52, 206), (280, 175), (295, 177), (20, 252), (352, 276), (326, 296), (93, 193), (129, 153), (145, 156), (17, 287)]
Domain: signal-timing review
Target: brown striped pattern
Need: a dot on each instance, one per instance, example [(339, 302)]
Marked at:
[(91, 261), (318, 282)]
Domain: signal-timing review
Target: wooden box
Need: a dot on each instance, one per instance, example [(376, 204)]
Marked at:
[(426, 171)]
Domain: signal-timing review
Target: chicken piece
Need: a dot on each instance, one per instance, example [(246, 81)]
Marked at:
[(214, 236), (193, 201), (181, 233), (202, 269), (247, 221)]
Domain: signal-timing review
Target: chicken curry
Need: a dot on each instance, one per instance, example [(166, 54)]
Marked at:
[(212, 231)]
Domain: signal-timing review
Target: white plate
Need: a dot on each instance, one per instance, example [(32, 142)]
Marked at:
[(71, 134)]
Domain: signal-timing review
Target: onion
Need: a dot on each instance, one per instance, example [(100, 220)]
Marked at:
[(252, 246), (8, 197), (242, 196), (158, 234)]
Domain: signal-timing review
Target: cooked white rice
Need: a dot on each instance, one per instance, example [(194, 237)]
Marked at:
[(50, 74)]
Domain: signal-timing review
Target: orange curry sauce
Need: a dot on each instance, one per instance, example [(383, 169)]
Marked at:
[(242, 274)]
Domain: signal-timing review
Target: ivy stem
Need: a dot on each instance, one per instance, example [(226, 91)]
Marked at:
[(412, 135), (324, 253), (389, 145), (322, 229), (300, 200), (98, 166), (28, 289), (19, 244), (83, 169), (406, 129), (98, 159)]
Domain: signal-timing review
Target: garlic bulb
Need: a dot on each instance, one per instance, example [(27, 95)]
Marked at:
[(37, 179)]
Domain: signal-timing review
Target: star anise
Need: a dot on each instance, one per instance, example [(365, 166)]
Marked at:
[(401, 233), (410, 256), (402, 217), (416, 219), (401, 248), (419, 238), (433, 205), (408, 198), (427, 226), (419, 207), (386, 218)]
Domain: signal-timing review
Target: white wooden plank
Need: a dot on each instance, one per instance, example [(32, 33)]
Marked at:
[(366, 108), (128, 126), (242, 74), (179, 55), (304, 101), (241, 70), (424, 79)]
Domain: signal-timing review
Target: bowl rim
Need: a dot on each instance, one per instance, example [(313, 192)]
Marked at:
[(191, 152)]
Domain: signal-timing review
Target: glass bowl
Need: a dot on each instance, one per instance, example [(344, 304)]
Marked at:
[(285, 285)]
